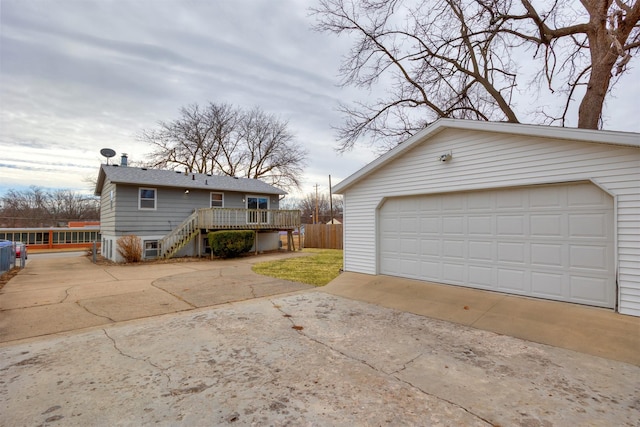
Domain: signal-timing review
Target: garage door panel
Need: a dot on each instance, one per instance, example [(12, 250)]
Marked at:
[(510, 199), (411, 267), (478, 201), (545, 197), (547, 225), (511, 252), (430, 247), (548, 284), (409, 246), (547, 255), (389, 224), (390, 265), (588, 225), (408, 224), (454, 272), (430, 269), (480, 250), (511, 225), (552, 241), (587, 196), (481, 277), (512, 280), (588, 289), (480, 225), (453, 249), (452, 203), (452, 225), (430, 225), (590, 257)]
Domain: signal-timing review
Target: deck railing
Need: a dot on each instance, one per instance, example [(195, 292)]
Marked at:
[(248, 219)]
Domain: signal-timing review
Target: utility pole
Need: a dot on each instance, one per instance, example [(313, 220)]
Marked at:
[(331, 199), (316, 220)]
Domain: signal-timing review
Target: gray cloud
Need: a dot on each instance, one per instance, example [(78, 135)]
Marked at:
[(78, 76)]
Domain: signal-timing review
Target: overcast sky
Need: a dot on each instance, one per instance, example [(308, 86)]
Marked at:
[(80, 75)]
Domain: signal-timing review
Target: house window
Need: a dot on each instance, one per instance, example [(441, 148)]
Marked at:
[(150, 249), (257, 202), (217, 200), (147, 198)]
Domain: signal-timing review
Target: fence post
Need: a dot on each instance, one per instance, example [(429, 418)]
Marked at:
[(95, 246)]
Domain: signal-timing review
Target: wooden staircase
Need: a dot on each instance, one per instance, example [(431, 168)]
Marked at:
[(180, 236)]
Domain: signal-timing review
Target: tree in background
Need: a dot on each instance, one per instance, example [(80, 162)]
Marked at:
[(460, 59), (37, 207), (224, 140), (307, 207)]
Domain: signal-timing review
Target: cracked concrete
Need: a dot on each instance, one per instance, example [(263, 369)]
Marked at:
[(307, 359), (64, 294), (312, 357)]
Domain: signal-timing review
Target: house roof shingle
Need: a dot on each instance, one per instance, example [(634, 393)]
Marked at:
[(166, 178)]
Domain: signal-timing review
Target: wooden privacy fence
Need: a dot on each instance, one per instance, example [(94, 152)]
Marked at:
[(323, 236)]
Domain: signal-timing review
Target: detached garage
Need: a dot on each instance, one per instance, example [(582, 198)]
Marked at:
[(538, 211)]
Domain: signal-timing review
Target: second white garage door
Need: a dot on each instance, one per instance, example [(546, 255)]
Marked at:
[(553, 241)]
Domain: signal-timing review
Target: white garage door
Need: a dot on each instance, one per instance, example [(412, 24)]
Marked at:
[(553, 241)]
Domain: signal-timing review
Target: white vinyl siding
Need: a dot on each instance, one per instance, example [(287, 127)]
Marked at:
[(491, 160)]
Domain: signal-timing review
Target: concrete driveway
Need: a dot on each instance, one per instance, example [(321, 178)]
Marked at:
[(304, 357)]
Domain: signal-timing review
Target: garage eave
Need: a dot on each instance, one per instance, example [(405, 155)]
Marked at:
[(629, 139)]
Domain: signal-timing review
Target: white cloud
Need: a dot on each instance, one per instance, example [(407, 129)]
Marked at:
[(78, 76)]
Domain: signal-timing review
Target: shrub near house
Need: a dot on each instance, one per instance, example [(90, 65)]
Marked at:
[(232, 243)]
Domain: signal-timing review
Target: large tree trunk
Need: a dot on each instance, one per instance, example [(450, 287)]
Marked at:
[(603, 60), (590, 110)]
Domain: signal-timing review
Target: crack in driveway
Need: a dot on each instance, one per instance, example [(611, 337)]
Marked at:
[(162, 370), (300, 330)]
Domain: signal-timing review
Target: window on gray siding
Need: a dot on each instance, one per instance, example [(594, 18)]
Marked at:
[(147, 198), (217, 200), (150, 249)]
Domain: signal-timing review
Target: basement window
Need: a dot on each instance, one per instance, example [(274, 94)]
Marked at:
[(150, 249), (147, 198)]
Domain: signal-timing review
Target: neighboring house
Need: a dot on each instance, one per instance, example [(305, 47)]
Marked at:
[(540, 211), (172, 212)]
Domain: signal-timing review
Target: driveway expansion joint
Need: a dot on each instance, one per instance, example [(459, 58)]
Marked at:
[(176, 296), (300, 331)]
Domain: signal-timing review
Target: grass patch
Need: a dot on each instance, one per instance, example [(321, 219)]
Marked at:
[(318, 269)]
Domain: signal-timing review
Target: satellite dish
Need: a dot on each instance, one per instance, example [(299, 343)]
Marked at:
[(108, 153)]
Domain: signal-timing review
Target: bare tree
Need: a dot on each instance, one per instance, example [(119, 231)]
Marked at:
[(307, 206), (222, 139), (37, 207), (458, 59)]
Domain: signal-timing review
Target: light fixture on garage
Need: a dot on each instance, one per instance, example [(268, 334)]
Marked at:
[(186, 191), (446, 157)]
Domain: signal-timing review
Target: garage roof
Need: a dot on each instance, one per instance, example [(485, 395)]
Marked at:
[(630, 139), (167, 178)]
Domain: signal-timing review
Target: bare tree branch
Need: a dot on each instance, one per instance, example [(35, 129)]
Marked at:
[(222, 139), (457, 58)]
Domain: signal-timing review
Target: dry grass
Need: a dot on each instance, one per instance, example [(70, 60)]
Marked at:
[(318, 269)]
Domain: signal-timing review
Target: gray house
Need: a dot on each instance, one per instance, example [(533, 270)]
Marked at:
[(173, 211)]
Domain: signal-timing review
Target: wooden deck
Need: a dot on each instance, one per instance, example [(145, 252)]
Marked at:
[(248, 219), (210, 219)]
